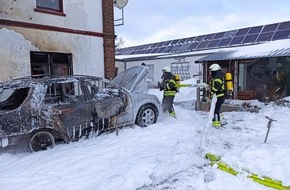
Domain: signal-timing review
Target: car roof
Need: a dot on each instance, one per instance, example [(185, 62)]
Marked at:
[(29, 81)]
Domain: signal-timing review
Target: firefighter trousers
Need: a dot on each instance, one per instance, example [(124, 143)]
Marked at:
[(218, 106), (167, 104)]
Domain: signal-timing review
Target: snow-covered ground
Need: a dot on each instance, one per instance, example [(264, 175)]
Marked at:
[(165, 155)]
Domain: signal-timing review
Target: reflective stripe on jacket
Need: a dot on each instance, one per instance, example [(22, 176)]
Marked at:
[(169, 93), (169, 89), (218, 86)]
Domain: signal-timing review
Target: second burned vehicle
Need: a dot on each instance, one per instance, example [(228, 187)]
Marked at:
[(39, 111)]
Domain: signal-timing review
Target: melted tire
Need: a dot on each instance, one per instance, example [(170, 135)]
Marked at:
[(41, 140)]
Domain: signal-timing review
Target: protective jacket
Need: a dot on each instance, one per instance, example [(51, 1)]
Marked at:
[(218, 85), (168, 84)]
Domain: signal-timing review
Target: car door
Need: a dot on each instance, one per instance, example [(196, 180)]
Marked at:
[(15, 111), (74, 109)]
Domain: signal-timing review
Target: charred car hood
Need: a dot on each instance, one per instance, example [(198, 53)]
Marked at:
[(131, 78)]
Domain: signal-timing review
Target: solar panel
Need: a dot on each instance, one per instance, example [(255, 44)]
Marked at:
[(167, 43), (209, 36), (241, 36), (146, 46), (185, 47), (250, 38), (281, 35), (168, 49), (149, 46), (265, 36), (224, 42), (219, 35), (148, 51), (191, 39), (213, 43), (160, 44), (202, 45), (120, 52), (242, 31), (230, 34), (132, 51), (182, 40), (155, 50), (199, 38), (143, 51), (174, 42), (137, 52), (154, 45), (126, 51), (270, 27), (237, 40), (255, 30), (193, 45), (161, 50), (138, 48), (176, 48), (284, 25)]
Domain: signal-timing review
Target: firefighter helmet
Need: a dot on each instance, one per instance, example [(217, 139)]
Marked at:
[(214, 67), (166, 69)]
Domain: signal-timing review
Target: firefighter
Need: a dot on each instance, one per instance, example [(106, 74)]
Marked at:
[(217, 87), (168, 86)]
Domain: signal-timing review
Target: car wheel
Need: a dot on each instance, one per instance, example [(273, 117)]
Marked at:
[(41, 141), (147, 115)]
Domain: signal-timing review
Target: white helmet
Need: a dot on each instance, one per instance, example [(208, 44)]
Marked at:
[(214, 67), (166, 69)]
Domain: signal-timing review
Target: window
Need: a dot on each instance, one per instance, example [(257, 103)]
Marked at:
[(13, 98), (44, 64), (268, 77), (68, 92), (50, 6)]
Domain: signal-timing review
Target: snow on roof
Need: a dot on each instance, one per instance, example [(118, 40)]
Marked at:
[(164, 55), (134, 56), (277, 48)]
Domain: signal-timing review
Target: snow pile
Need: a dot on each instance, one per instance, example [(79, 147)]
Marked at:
[(161, 156)]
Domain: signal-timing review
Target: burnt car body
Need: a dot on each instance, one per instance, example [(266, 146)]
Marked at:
[(39, 111)]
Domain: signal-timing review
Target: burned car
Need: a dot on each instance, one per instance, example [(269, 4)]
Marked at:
[(38, 112)]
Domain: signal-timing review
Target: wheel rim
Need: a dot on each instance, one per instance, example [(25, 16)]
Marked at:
[(41, 141), (148, 117)]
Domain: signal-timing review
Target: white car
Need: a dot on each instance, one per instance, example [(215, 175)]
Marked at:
[(142, 109)]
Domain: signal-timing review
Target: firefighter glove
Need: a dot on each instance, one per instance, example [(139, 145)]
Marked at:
[(160, 86)]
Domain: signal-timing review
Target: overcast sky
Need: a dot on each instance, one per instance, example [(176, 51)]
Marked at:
[(149, 21)]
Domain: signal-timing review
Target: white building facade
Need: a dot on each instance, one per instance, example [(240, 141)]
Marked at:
[(180, 63), (60, 37)]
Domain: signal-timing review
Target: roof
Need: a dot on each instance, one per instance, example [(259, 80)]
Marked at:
[(138, 57), (277, 48), (231, 38)]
